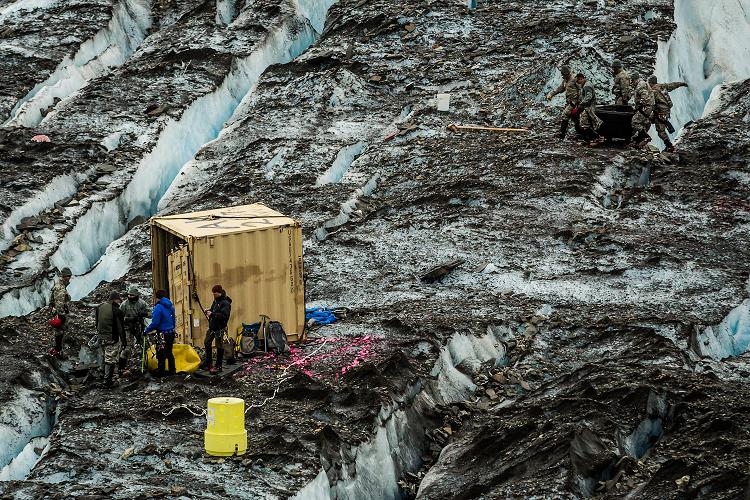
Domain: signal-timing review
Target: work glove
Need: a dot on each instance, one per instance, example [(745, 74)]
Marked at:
[(549, 97), (575, 111)]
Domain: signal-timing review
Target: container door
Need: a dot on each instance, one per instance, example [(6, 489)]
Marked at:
[(179, 292)]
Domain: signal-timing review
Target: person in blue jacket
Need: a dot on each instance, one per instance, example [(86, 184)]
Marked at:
[(163, 322)]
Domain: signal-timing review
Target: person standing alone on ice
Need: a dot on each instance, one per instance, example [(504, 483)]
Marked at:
[(218, 317), (60, 304), (110, 324), (163, 323), (136, 311)]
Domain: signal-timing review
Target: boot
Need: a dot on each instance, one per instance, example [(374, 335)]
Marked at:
[(636, 139), (669, 146), (109, 371), (219, 358), (208, 362), (122, 368), (563, 130)]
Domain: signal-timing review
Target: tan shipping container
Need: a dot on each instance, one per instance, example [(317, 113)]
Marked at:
[(254, 252)]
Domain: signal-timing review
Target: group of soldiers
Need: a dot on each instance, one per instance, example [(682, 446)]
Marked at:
[(650, 100), (123, 337), (119, 325)]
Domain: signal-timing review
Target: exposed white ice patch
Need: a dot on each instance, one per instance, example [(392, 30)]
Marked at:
[(276, 162), (59, 188), (317, 489), (729, 338), (24, 417), (348, 208), (22, 464), (344, 159), (452, 385), (22, 301), (710, 46), (24, 5), (649, 430), (114, 264), (110, 47), (225, 11)]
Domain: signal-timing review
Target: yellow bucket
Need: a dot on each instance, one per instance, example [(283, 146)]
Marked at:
[(225, 427)]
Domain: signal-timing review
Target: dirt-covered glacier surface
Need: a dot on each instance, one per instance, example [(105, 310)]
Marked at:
[(583, 331)]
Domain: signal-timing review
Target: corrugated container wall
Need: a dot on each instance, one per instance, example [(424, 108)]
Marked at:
[(252, 251)]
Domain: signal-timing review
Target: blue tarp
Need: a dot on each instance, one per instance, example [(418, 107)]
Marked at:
[(321, 315)]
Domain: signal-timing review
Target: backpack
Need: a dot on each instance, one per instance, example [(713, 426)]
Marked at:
[(248, 341), (276, 340)]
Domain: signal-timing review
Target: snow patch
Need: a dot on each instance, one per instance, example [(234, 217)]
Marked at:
[(109, 48)]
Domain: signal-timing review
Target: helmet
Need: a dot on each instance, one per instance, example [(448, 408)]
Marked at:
[(66, 272), (134, 291), (617, 63), (634, 76), (652, 79), (565, 70)]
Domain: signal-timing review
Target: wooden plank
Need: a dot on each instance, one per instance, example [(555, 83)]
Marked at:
[(477, 128)]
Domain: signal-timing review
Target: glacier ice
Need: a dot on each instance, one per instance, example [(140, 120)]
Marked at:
[(24, 417), (108, 48), (710, 46), (202, 122), (225, 11), (731, 337), (20, 467), (341, 164), (347, 208), (57, 189), (397, 444)]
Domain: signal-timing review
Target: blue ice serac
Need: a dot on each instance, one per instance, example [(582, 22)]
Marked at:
[(472, 4)]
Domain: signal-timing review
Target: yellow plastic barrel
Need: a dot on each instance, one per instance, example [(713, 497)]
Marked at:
[(225, 427)]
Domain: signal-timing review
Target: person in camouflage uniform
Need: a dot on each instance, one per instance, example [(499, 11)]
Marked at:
[(586, 110), (136, 311), (663, 108), (644, 111), (621, 89), (60, 306), (572, 98), (110, 325)]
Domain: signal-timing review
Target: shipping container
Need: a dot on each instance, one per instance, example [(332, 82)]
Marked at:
[(252, 251)]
